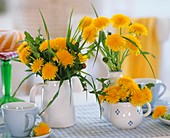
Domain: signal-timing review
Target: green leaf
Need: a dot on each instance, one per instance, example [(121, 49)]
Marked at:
[(69, 29), (142, 54), (150, 85), (21, 84), (45, 25), (147, 53), (94, 10), (55, 96)]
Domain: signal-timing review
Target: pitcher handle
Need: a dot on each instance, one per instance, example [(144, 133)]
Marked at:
[(33, 91), (148, 111), (164, 89)]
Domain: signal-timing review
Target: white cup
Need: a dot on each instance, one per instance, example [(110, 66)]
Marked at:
[(157, 91), (19, 117)]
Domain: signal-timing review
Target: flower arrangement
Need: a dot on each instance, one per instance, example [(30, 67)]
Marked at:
[(161, 111), (56, 59), (126, 90), (114, 45)]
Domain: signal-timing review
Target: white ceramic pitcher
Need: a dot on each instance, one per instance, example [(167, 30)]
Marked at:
[(61, 112)]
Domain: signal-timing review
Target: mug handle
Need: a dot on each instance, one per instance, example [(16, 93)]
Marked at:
[(164, 89), (34, 89), (31, 121), (148, 111)]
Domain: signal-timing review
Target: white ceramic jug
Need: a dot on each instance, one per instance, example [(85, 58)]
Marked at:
[(61, 112)]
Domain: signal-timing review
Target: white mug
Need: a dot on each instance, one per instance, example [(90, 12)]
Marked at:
[(19, 117), (157, 91)]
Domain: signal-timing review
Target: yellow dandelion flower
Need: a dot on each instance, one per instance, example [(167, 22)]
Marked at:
[(138, 98), (115, 42), (112, 99), (59, 43), (123, 94), (124, 81), (24, 54), (49, 71), (90, 34), (20, 48), (86, 21), (65, 58), (41, 129), (138, 29), (112, 96), (113, 90), (159, 111), (120, 21), (82, 58), (131, 46), (148, 94), (101, 22), (106, 90), (133, 88), (37, 64), (43, 46)]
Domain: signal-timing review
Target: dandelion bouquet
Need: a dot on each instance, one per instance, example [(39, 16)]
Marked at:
[(118, 42), (55, 59), (126, 90)]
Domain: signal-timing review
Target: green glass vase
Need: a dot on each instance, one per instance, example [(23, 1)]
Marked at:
[(6, 74)]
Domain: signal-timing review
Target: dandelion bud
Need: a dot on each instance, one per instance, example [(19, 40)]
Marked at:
[(105, 59), (83, 66)]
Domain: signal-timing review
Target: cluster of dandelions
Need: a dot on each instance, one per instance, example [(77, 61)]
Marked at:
[(116, 42), (126, 90)]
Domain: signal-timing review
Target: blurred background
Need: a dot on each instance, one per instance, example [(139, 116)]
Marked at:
[(23, 15)]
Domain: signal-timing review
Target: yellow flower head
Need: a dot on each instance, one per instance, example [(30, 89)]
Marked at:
[(65, 58), (41, 129), (120, 21), (37, 64), (124, 81), (115, 42), (133, 88), (138, 29), (49, 71), (123, 94), (43, 46), (24, 54), (159, 111), (90, 34), (101, 22), (148, 94), (86, 21), (112, 99), (112, 96), (131, 46), (20, 48), (138, 98), (60, 43), (82, 58)]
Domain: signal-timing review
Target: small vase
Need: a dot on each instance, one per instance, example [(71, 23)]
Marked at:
[(127, 116), (113, 77), (61, 112)]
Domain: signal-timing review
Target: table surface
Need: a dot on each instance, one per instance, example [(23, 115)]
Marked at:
[(90, 125)]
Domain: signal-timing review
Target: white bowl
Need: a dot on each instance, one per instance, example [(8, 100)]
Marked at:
[(164, 121)]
